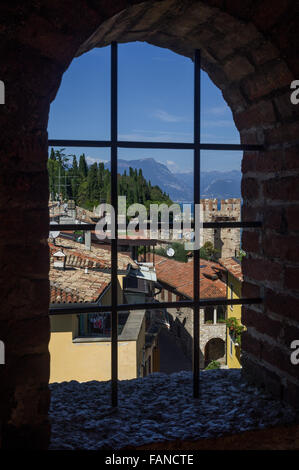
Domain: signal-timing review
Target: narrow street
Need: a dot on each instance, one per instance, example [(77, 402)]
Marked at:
[(172, 357)]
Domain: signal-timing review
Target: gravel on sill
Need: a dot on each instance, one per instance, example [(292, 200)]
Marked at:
[(159, 407)]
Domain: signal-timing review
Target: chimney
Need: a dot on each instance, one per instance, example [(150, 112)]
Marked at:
[(71, 209), (59, 260)]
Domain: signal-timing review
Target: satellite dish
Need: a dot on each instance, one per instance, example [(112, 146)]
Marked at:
[(54, 234), (170, 252)]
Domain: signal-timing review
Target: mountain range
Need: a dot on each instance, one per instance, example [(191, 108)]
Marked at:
[(179, 186)]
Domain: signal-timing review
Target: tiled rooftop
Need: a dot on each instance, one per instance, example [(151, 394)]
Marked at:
[(78, 255), (180, 276), (84, 215), (73, 284), (233, 266)]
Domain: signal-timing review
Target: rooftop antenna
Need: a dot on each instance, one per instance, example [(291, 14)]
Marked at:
[(65, 185)]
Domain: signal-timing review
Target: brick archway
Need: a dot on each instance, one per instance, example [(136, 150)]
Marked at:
[(248, 51)]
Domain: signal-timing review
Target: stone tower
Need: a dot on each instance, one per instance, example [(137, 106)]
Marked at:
[(226, 240)]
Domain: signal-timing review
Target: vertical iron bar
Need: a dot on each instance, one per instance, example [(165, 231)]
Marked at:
[(196, 255), (114, 315)]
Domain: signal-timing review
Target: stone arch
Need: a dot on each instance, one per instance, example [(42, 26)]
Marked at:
[(231, 52), (248, 51)]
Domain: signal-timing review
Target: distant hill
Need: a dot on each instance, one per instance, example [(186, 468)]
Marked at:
[(179, 186), (215, 184), (158, 174)]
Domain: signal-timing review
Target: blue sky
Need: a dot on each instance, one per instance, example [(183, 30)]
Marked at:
[(155, 104)]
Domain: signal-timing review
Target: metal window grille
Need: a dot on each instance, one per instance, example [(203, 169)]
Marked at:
[(197, 302)]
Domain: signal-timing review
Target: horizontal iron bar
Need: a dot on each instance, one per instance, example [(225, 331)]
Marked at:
[(247, 147), (84, 227), (70, 309), (152, 145), (71, 227), (253, 224), (156, 145), (78, 143), (188, 146)]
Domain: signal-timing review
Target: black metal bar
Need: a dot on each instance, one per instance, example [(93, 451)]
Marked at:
[(156, 145), (72, 227), (78, 143), (84, 308), (84, 227), (256, 224), (245, 147), (196, 256), (189, 146), (152, 145), (114, 288)]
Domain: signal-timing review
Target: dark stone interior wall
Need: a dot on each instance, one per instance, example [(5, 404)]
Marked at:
[(250, 50)]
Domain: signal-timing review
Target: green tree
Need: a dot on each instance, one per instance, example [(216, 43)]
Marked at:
[(208, 252), (83, 168)]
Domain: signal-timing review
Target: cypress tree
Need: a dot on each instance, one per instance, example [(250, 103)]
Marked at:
[(83, 168)]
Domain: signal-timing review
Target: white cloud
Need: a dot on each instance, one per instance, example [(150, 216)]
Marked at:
[(167, 117), (91, 160), (175, 168), (155, 136)]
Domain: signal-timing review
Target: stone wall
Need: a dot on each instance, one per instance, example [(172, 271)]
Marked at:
[(181, 327), (226, 241), (249, 51)]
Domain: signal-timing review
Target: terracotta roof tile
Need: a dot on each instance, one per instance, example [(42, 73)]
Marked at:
[(233, 266), (180, 276), (73, 284), (77, 255)]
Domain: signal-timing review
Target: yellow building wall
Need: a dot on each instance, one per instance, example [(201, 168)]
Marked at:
[(234, 287), (140, 354), (89, 360)]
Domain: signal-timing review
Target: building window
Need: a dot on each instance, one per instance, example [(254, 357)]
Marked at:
[(209, 315), (98, 325), (196, 303), (220, 314)]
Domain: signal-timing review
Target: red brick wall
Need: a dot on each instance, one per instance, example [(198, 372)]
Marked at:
[(37, 44), (248, 49)]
